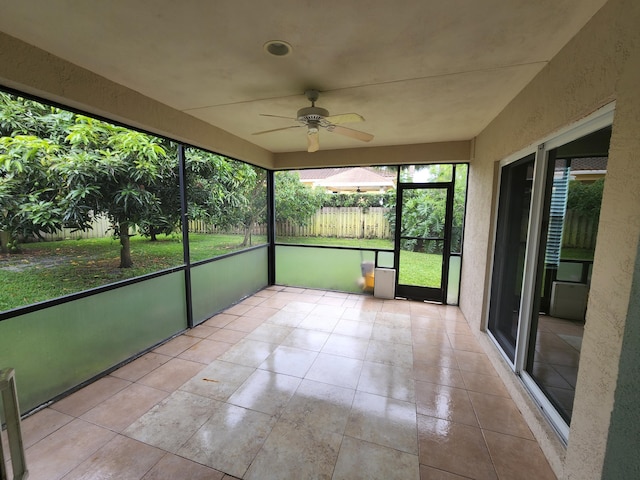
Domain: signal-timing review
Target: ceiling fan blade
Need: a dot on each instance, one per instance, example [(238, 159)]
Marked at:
[(277, 129), (344, 118), (276, 116), (313, 142), (350, 132)]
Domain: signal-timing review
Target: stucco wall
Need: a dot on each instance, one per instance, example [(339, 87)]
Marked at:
[(599, 65)]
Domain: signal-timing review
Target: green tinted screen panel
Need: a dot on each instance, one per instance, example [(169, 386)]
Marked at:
[(218, 284), (55, 349), (324, 268)]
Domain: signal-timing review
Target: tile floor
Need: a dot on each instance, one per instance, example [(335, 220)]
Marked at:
[(296, 384)]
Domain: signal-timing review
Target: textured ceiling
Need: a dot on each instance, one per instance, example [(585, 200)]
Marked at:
[(418, 71)]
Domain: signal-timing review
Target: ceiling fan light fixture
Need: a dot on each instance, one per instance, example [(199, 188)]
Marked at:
[(278, 48)]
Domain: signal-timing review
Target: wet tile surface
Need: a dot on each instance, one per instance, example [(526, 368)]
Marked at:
[(297, 383)]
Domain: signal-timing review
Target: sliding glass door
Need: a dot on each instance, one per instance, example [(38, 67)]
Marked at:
[(509, 257), (545, 234)]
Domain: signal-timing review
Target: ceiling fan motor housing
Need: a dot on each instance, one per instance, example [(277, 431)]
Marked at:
[(312, 114)]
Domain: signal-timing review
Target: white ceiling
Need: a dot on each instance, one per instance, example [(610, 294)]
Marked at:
[(419, 71)]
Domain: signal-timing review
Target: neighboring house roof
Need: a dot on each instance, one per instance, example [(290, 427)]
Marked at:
[(588, 169), (349, 179), (590, 164)]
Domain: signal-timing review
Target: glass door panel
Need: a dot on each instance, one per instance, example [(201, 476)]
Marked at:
[(509, 257), (424, 219)]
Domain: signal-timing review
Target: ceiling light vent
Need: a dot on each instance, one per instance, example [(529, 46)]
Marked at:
[(277, 48)]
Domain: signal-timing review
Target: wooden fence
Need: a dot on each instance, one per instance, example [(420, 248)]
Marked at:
[(579, 231), (341, 222)]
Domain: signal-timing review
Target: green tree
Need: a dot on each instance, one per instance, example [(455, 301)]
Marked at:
[(295, 201), (585, 198)]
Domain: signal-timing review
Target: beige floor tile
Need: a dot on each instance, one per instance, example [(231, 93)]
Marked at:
[(289, 361), (37, 426), (63, 450), (298, 307), (265, 392), (244, 324), (430, 339), (320, 323), (383, 421), (227, 335), (474, 362), (253, 301), (327, 311), (238, 309), (292, 451), (391, 334), (137, 369), (173, 421), (221, 320), (260, 312), (477, 382), (360, 460), (250, 353), (201, 331), (425, 309), (396, 354), (397, 320), (429, 473), (173, 467), (460, 327), (176, 346), (120, 459), (345, 346), (455, 448), (171, 375), (229, 440), (518, 458), (499, 414), (425, 322), (353, 328), (125, 407), (467, 343), (306, 339), (335, 370), (205, 351), (331, 301), (218, 380), (397, 306), (270, 333), (85, 399), (387, 381), (439, 356), (443, 402), (449, 377), (287, 318), (319, 406), (359, 315)]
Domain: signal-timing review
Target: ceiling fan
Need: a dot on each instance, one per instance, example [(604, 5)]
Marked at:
[(315, 118)]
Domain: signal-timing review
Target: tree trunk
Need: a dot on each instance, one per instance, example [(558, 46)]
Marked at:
[(125, 246), (4, 240), (247, 237), (152, 234)]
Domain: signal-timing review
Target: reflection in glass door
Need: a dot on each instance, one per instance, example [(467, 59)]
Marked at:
[(423, 241), (509, 257)]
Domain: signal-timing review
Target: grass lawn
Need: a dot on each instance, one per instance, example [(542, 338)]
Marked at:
[(576, 254), (339, 242), (420, 269)]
